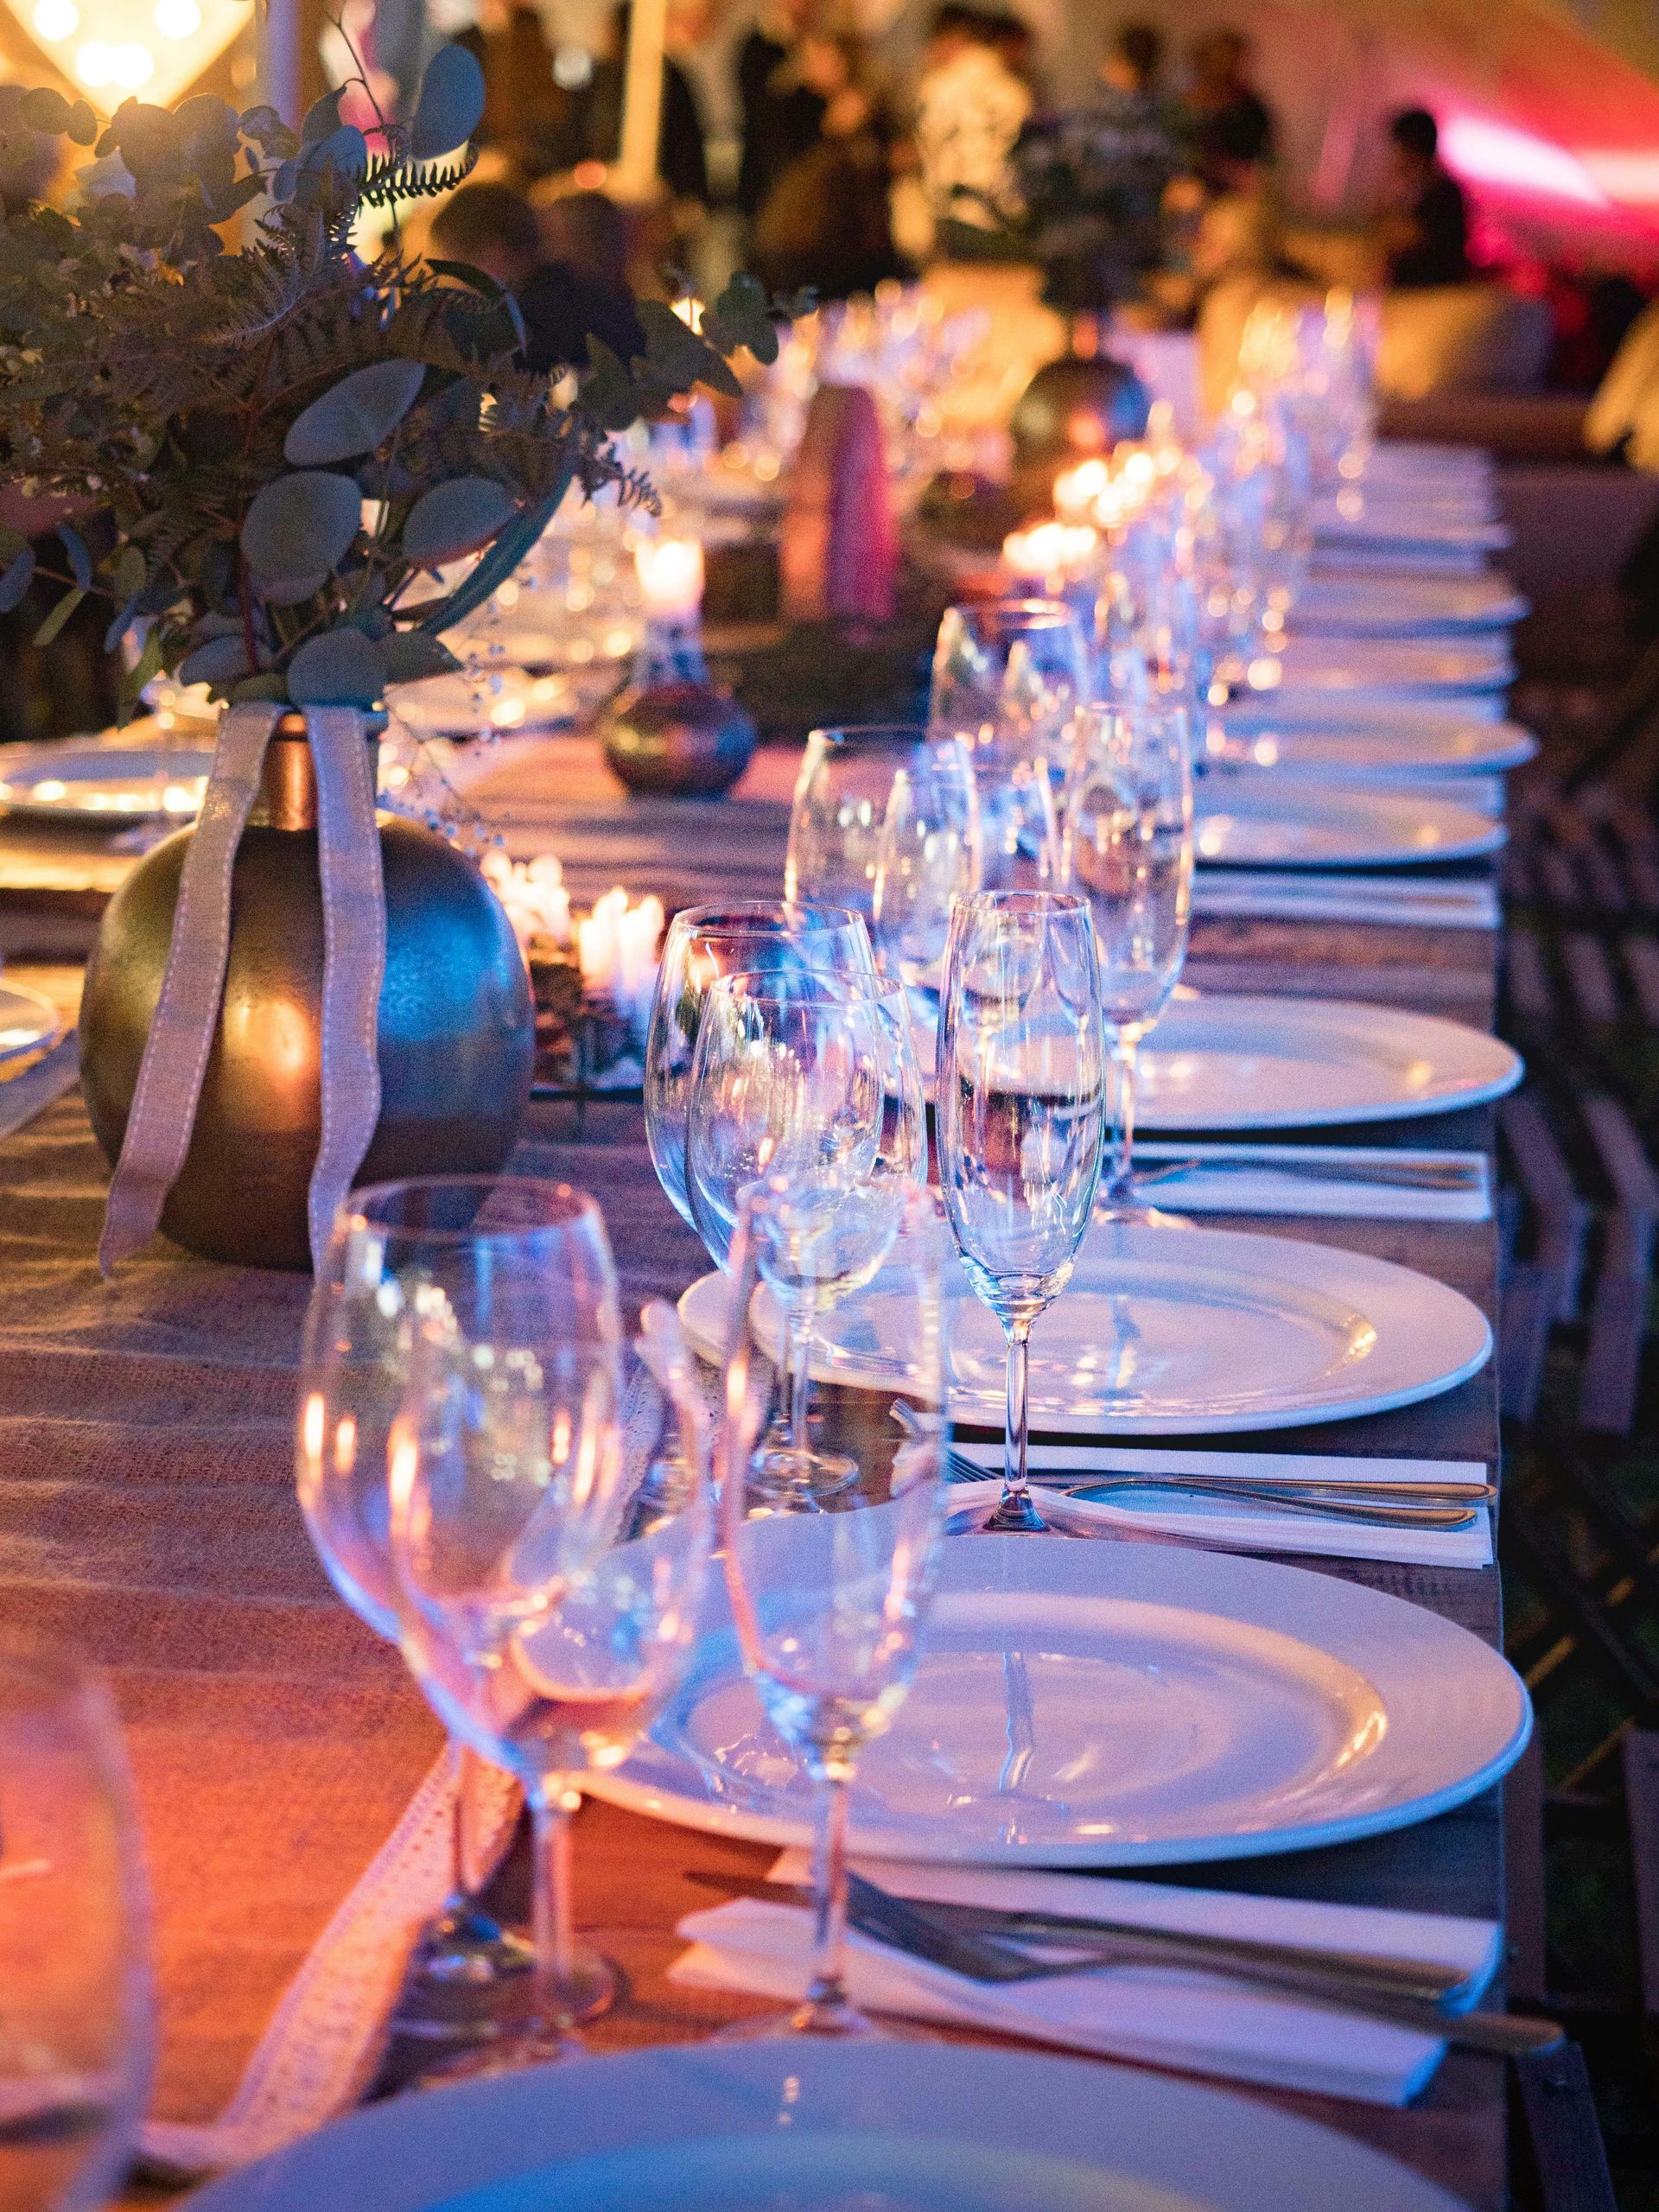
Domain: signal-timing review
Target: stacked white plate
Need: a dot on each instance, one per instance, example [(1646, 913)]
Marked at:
[(1251, 823)]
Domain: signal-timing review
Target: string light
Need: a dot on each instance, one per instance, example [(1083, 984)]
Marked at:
[(128, 65), (177, 18), (57, 19)]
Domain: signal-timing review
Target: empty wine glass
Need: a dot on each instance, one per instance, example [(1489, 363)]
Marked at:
[(820, 1094), (928, 857), (753, 938), (392, 1243), (1006, 676), (830, 1608), (1128, 850), (545, 1619), (76, 2030), (1021, 1114), (840, 805)]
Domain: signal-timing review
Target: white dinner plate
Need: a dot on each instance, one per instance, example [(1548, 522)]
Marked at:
[(809, 2126), (113, 784), (1406, 606), (1248, 1062), (1167, 1707), (1301, 827), (28, 1024), (1165, 1331), (1340, 665), (1412, 749), (1403, 520)]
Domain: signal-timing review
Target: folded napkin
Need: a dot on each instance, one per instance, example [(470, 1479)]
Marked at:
[(1160, 2016), (1266, 1181), (39, 1086), (1327, 896), (1234, 1524)]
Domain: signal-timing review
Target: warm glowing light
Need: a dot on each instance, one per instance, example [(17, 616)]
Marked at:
[(1049, 552), (95, 63), (56, 19), (177, 18), (617, 948), (670, 577), (1076, 490), (1494, 153), (1630, 178), (132, 65)]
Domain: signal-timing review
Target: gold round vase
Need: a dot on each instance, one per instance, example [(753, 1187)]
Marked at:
[(455, 1036)]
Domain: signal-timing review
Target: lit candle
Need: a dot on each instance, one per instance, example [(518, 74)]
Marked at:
[(671, 578), (1051, 554), (537, 902), (617, 947), (1076, 490)]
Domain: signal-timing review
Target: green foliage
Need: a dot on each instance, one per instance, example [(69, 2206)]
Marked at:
[(272, 437)]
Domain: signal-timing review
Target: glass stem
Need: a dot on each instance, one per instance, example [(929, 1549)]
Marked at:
[(826, 1994), (800, 1382), (552, 2008), (1016, 1488), (1126, 1053), (461, 1830)]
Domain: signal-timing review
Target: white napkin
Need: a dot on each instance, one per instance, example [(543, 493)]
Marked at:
[(39, 1086), (1269, 1182), (1328, 896), (1157, 2015), (1233, 1524)]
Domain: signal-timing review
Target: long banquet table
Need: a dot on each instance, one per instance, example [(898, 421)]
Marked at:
[(146, 1514)]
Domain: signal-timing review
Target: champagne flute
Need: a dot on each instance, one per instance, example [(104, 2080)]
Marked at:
[(839, 806), (1006, 676), (545, 1618), (76, 2027), (752, 936), (830, 1610), (1128, 850), (1021, 1114), (928, 857), (821, 1095), (393, 1243)]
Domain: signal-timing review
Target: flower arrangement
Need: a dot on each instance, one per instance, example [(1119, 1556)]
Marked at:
[(274, 450)]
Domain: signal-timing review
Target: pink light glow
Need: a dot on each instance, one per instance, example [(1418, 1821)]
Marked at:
[(1492, 153)]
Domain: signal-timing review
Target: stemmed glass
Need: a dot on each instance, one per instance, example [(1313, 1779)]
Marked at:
[(1021, 1116), (1006, 676), (1128, 850), (545, 1619), (819, 1094), (752, 937), (830, 1610), (927, 857), (840, 805), (76, 2030), (390, 1240)]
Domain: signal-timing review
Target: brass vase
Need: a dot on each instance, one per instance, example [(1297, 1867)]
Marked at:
[(456, 1030)]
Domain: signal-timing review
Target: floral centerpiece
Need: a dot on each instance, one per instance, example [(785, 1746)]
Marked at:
[(290, 465)]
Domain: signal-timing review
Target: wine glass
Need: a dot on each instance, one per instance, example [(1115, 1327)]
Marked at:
[(546, 1617), (820, 1094), (1128, 850), (830, 1609), (928, 857), (752, 936), (840, 805), (1006, 676), (392, 1243), (1021, 1114), (76, 2028)]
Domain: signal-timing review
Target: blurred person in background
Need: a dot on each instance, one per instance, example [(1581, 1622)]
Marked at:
[(1132, 67), (970, 109), (825, 222), (781, 112), (563, 301), (1225, 113), (682, 159), (1424, 227)]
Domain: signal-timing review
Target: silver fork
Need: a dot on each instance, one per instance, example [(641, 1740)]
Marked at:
[(1436, 1505)]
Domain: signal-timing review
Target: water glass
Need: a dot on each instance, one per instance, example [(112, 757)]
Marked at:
[(395, 1245), (1128, 850), (831, 1607), (545, 1618), (76, 2028), (1021, 1114), (1006, 676), (840, 806), (821, 1096), (928, 857), (752, 937)]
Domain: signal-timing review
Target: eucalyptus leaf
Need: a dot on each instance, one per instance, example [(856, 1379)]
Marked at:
[(450, 104), (129, 570), (269, 686), (121, 621), (16, 580), (321, 117), (345, 152), (338, 669), (45, 110), (290, 591), (60, 614), (408, 655), (80, 560), (82, 126), (12, 542), (355, 415), (454, 518), (148, 664), (298, 525), (219, 661), (498, 563), (675, 348)]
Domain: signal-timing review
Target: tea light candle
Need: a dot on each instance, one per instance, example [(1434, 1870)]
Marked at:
[(1076, 490), (1051, 554), (617, 947), (533, 893), (671, 578)]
